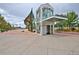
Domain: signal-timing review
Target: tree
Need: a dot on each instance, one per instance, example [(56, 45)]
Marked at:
[(60, 25), (70, 22), (77, 23), (4, 26), (71, 18)]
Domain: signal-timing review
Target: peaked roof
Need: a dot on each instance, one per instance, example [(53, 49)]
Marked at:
[(30, 17), (30, 14), (46, 5)]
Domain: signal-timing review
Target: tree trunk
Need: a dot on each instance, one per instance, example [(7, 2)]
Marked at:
[(69, 27)]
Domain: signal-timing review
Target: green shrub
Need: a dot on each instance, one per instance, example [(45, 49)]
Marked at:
[(4, 25)]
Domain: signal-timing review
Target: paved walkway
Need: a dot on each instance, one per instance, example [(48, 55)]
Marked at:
[(16, 42)]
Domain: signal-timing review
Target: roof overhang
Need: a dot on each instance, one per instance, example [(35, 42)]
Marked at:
[(54, 19)]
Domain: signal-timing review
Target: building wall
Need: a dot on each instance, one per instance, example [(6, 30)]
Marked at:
[(43, 12), (47, 22), (44, 29), (44, 26)]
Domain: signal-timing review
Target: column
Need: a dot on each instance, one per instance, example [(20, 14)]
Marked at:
[(36, 28), (41, 28), (53, 28), (50, 30), (41, 14)]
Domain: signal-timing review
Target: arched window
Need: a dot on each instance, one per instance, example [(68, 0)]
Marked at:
[(47, 12)]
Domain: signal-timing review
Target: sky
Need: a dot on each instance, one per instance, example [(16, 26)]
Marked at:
[(15, 13)]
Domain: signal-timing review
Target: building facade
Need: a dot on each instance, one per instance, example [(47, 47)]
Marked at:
[(29, 21), (43, 12), (45, 19)]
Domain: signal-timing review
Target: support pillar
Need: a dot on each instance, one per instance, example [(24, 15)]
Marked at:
[(41, 29), (50, 30), (41, 26), (53, 28)]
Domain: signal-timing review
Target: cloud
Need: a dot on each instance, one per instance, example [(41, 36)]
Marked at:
[(2, 11), (12, 18), (15, 20)]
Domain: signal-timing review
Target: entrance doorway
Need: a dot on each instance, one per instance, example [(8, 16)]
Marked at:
[(48, 29)]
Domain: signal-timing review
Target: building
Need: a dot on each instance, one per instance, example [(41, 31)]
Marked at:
[(29, 21), (45, 19)]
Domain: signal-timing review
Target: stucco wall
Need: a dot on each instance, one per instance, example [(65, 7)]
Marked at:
[(47, 23), (44, 29), (44, 26)]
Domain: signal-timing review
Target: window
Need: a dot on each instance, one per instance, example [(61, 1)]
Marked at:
[(47, 12)]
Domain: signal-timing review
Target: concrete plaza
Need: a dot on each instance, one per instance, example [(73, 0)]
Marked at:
[(16, 42)]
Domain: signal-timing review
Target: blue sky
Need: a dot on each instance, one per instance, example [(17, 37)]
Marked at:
[(15, 13)]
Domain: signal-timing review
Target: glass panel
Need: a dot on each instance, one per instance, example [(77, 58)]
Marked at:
[(47, 13)]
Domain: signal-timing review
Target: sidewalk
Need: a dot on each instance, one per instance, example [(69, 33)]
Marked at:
[(16, 42)]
